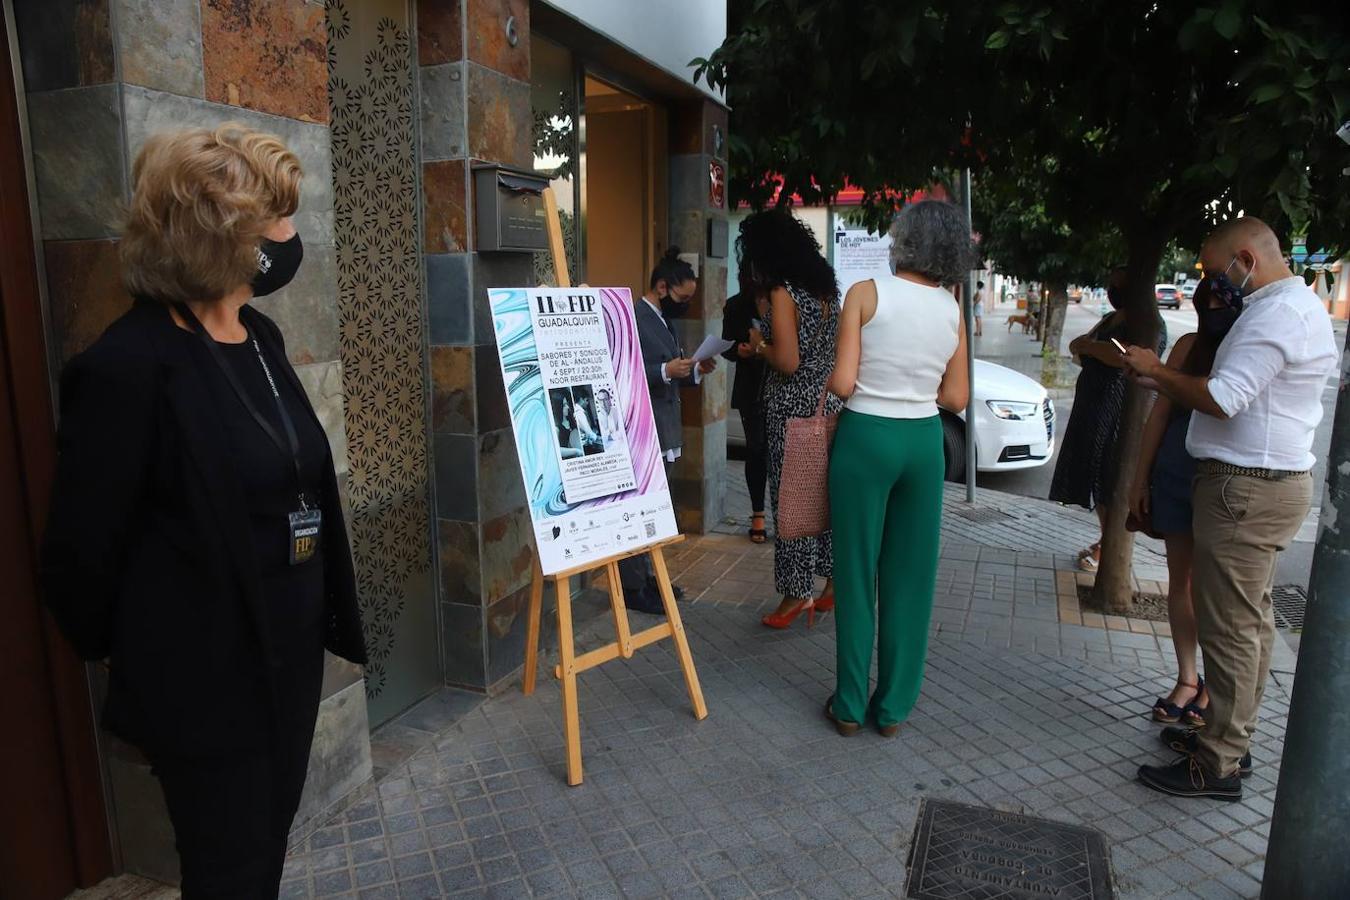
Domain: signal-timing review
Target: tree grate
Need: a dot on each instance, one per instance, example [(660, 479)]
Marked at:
[(984, 515), (1290, 602), (961, 852)]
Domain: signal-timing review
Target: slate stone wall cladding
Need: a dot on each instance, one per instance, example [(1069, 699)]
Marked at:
[(125, 69), (268, 55), (699, 472), (100, 77), (159, 45), (474, 107)]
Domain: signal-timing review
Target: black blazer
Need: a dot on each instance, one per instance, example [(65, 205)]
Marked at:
[(659, 346), (748, 389), (147, 558)]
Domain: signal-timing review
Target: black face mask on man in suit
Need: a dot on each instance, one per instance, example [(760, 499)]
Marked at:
[(675, 300)]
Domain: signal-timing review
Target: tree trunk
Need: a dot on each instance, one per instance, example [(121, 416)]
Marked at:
[(1054, 317), (1042, 310), (1114, 587)]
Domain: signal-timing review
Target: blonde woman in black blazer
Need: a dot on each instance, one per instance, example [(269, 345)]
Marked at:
[(196, 539)]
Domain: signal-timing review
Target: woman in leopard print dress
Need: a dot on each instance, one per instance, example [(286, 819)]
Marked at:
[(783, 260)]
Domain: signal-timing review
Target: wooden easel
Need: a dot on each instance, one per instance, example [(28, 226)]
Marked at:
[(570, 665)]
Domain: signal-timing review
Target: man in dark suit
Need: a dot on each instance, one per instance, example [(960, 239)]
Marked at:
[(747, 391), (669, 291)]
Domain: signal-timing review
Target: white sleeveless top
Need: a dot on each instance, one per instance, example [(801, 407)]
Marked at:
[(905, 350)]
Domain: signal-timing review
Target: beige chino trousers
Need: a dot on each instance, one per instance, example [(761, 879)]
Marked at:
[(1240, 524)]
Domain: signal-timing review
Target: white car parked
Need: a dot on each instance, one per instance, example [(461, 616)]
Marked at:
[(1014, 424)]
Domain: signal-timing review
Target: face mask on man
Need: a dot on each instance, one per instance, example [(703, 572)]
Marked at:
[(1242, 288), (672, 307), (278, 261)]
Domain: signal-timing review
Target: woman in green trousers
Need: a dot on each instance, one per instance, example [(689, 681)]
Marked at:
[(901, 354)]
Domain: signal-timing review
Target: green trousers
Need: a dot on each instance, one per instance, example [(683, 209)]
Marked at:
[(885, 511)]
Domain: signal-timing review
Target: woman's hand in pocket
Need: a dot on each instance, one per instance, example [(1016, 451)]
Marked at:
[(1139, 499)]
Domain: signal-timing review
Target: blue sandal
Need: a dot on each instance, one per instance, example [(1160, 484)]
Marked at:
[(1168, 713), (1193, 715)]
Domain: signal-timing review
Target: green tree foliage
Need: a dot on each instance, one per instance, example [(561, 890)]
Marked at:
[(1157, 119), (1023, 241)]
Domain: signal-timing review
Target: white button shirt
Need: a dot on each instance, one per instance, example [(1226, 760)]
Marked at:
[(673, 453), (1268, 377)]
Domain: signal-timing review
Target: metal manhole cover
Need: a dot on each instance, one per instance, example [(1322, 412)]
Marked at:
[(984, 515), (1290, 602), (962, 851)]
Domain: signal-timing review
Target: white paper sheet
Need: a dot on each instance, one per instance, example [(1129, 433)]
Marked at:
[(711, 346)]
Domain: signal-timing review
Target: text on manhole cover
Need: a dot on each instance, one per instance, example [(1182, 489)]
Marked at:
[(962, 851)]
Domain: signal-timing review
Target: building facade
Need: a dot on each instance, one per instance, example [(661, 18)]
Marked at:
[(390, 105)]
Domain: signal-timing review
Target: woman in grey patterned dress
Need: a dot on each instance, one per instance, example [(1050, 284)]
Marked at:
[(781, 257)]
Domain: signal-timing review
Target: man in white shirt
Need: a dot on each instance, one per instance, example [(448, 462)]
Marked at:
[(1252, 436), (607, 418)]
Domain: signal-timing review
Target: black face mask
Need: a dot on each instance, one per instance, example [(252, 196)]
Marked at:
[(1216, 323), (672, 308), (278, 261)]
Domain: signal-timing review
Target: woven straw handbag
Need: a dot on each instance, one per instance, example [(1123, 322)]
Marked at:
[(804, 488)]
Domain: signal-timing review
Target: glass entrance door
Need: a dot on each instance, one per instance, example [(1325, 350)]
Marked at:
[(604, 149), (625, 183)]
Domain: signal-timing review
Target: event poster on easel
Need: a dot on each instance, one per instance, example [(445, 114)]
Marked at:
[(583, 423)]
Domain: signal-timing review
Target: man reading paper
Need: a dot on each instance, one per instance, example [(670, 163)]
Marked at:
[(669, 291)]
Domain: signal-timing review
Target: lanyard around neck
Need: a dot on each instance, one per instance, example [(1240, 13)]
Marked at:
[(291, 446)]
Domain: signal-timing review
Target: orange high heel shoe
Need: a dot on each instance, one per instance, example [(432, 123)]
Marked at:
[(825, 603), (783, 620)]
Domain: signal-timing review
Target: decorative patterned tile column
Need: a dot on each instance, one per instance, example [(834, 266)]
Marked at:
[(698, 130), (101, 76), (383, 343), (474, 59)]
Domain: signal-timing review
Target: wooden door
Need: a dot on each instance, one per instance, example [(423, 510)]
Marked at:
[(53, 825)]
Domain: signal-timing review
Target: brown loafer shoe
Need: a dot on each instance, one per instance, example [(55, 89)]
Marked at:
[(888, 731), (845, 729)]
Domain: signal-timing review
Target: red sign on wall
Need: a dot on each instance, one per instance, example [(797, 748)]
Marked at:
[(717, 185)]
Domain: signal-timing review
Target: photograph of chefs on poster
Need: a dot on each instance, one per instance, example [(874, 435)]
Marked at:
[(588, 421), (574, 360)]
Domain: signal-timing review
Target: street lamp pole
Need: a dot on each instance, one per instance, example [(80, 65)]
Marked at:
[(968, 303), (1306, 856)]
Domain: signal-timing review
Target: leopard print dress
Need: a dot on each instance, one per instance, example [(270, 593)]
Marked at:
[(797, 562)]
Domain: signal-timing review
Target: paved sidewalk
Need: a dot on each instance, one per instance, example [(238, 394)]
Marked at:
[(1019, 712)]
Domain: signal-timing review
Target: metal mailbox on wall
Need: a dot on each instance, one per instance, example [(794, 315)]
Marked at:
[(509, 209)]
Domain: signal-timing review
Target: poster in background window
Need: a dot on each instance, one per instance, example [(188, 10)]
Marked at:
[(859, 255)]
